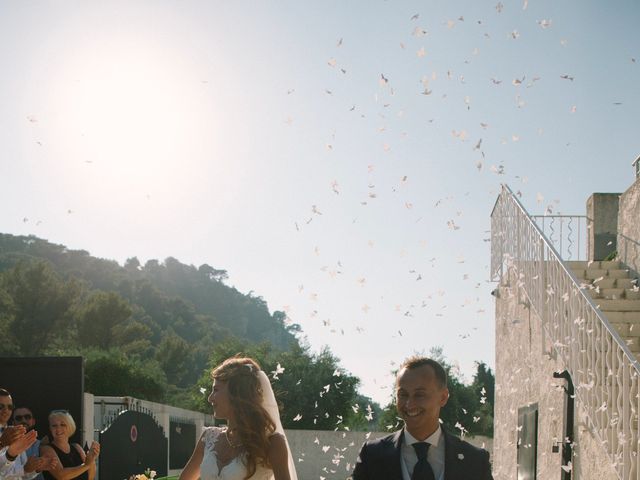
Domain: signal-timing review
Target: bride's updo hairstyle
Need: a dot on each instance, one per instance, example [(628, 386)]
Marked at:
[(253, 424)]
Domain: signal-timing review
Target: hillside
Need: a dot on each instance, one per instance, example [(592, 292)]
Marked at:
[(68, 300), (154, 331)]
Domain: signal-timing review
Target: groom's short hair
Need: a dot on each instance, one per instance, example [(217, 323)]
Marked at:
[(417, 362)]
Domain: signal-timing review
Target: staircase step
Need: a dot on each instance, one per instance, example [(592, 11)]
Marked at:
[(619, 305), (580, 274), (577, 265), (612, 293), (632, 294), (610, 265), (609, 294), (633, 343), (594, 274), (594, 293), (627, 329), (623, 317), (624, 329), (606, 283), (634, 330), (598, 265), (626, 282), (617, 273)]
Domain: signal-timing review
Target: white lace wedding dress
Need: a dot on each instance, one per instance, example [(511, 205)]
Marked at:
[(211, 469)]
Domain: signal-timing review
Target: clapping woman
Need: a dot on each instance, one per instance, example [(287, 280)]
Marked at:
[(75, 463)]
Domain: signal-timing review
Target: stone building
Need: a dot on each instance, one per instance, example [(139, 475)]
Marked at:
[(567, 337)]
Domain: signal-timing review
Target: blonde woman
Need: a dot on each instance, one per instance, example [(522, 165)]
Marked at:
[(252, 445), (75, 464)]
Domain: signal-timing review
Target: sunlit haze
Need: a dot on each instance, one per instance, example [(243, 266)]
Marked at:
[(338, 159)]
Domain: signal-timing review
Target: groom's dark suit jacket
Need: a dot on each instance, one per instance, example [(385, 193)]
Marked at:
[(380, 459)]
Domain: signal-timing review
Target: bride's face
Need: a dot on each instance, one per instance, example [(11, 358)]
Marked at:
[(219, 399)]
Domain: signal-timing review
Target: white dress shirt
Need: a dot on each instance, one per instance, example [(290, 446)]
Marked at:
[(13, 470), (435, 456)]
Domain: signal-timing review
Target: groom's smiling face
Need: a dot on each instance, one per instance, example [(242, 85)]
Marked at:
[(419, 398)]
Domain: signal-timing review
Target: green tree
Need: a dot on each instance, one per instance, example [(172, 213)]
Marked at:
[(212, 273), (8, 346), (484, 382), (389, 419), (317, 391), (133, 338), (110, 372), (100, 318), (174, 356), (132, 264), (313, 391), (42, 305), (483, 387)]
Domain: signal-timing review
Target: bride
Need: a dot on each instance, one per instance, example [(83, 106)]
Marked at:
[(252, 445)]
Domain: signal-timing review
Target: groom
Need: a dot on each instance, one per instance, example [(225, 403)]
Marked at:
[(422, 450)]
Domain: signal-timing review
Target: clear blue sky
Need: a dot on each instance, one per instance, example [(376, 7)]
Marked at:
[(292, 144)]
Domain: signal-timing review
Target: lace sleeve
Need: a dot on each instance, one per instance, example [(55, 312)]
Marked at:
[(209, 436)]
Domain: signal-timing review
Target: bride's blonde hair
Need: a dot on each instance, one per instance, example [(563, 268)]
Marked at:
[(253, 424)]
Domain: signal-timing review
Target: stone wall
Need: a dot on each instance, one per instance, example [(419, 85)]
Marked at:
[(525, 363), (332, 455), (629, 227)]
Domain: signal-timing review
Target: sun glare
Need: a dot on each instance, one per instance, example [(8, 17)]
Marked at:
[(131, 114)]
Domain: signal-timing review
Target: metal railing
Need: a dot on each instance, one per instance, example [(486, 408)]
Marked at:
[(567, 233), (603, 369)]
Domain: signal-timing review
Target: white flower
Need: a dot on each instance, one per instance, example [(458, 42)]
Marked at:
[(460, 456)]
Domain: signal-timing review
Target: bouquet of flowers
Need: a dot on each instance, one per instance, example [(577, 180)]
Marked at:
[(147, 475)]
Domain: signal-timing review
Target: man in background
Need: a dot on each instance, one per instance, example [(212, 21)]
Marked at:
[(24, 416)]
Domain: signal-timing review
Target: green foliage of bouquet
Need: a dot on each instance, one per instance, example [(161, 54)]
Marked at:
[(147, 475)]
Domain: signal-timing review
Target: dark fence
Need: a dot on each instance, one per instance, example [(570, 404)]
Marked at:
[(182, 441), (131, 443)]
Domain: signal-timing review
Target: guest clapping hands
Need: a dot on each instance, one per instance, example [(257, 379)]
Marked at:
[(14, 441), (75, 464)]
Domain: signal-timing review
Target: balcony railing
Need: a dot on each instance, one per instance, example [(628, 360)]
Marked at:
[(567, 233), (603, 369)]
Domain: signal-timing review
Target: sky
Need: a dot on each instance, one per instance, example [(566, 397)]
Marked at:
[(338, 159)]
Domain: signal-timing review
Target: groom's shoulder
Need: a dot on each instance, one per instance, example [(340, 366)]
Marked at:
[(464, 447), (382, 441)]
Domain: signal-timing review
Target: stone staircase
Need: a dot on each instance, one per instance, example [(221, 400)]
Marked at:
[(616, 292)]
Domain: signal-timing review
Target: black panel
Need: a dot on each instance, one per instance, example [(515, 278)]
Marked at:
[(44, 384), (182, 441)]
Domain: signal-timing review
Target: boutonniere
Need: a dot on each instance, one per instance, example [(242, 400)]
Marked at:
[(460, 456)]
